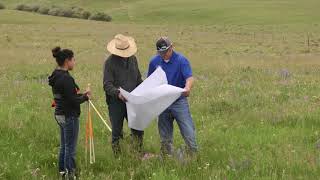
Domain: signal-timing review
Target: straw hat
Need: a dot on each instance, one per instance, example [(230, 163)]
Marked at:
[(123, 46)]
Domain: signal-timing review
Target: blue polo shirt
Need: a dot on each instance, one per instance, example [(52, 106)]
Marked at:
[(178, 69)]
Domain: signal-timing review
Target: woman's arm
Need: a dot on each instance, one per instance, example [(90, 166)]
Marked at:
[(70, 92)]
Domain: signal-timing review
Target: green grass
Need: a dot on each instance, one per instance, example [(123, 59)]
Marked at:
[(253, 12), (252, 121)]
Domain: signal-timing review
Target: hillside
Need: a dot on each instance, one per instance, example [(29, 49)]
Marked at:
[(253, 12)]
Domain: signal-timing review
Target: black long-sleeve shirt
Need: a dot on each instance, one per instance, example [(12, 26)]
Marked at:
[(120, 72), (65, 92)]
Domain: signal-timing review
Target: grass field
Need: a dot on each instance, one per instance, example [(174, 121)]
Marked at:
[(263, 12), (255, 102)]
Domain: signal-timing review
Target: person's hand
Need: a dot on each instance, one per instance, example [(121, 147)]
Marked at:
[(122, 98), (88, 94), (88, 91), (186, 93)]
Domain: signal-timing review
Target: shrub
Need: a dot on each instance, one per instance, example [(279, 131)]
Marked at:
[(100, 17), (54, 11), (2, 6), (20, 7), (34, 8), (43, 10), (85, 15), (76, 13), (65, 13), (29, 8), (80, 13)]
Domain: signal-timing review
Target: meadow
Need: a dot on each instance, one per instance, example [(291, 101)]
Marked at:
[(255, 102)]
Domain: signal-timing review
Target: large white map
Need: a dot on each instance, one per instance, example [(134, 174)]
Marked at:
[(150, 99)]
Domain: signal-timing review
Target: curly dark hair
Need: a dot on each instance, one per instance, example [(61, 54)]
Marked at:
[(61, 55)]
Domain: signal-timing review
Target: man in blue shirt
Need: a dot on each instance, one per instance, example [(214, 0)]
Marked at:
[(179, 74)]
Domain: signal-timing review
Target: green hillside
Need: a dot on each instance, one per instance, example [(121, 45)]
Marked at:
[(198, 11)]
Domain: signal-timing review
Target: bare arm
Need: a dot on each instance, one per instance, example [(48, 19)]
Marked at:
[(188, 86)]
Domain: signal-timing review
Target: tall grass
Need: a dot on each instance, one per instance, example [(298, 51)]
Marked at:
[(255, 100)]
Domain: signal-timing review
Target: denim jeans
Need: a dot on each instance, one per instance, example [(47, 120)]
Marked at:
[(69, 130), (117, 113), (180, 112)]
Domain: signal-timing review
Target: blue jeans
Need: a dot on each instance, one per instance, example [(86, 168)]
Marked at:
[(180, 112), (69, 130)]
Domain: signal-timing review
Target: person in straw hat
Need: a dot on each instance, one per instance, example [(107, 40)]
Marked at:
[(121, 70)]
